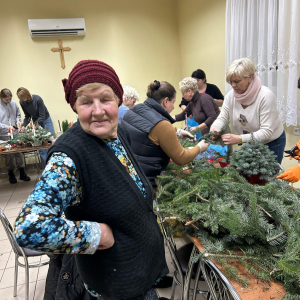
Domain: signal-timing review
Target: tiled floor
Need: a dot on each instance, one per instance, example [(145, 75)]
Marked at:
[(12, 197)]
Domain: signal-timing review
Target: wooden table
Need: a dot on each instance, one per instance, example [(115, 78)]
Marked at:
[(223, 289), (28, 150)]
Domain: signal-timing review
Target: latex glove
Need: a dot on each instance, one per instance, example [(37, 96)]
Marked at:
[(291, 174), (203, 146), (181, 133)]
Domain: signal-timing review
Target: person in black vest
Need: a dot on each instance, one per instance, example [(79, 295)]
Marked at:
[(153, 138), (113, 232)]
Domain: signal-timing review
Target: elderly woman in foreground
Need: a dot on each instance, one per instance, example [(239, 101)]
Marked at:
[(113, 232), (201, 106), (251, 108)]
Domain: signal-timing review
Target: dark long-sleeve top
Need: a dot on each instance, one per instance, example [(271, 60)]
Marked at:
[(203, 108), (211, 90), (34, 109)]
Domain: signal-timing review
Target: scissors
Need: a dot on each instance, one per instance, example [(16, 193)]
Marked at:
[(291, 152)]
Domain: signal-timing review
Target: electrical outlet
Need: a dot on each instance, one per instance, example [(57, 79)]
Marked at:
[(296, 131)]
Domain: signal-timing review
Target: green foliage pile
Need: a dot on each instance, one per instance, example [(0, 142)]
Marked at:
[(231, 216)]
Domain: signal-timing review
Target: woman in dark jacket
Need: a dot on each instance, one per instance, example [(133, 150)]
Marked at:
[(201, 106), (114, 234)]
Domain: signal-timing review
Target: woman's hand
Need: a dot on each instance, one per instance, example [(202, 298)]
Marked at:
[(194, 128), (214, 128), (19, 124), (230, 139), (203, 146), (181, 133), (107, 238), (174, 117), (291, 174)]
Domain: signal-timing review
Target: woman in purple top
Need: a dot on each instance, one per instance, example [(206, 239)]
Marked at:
[(201, 106)]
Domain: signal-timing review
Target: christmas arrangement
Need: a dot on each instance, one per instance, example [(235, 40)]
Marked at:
[(31, 135), (258, 226)]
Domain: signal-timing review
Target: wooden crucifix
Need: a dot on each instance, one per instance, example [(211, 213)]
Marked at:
[(61, 50)]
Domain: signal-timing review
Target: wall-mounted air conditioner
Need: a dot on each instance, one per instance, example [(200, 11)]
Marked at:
[(56, 27)]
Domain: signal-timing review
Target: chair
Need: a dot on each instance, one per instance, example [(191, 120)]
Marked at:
[(180, 259), (23, 252)]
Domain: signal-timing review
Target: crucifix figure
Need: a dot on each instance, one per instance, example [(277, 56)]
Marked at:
[(61, 50)]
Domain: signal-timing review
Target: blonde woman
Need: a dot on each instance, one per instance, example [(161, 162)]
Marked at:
[(251, 108), (201, 106), (130, 97)]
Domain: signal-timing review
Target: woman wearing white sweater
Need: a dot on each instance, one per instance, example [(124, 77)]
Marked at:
[(251, 108)]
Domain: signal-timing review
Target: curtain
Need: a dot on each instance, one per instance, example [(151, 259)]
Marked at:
[(267, 31)]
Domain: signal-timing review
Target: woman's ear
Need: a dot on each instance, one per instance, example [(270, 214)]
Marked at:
[(251, 76), (165, 101)]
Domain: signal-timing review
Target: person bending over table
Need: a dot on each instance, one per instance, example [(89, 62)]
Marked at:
[(112, 231), (10, 119), (204, 87), (201, 106), (33, 107), (251, 108)]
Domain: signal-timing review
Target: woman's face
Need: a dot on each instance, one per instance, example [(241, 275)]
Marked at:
[(168, 105), (200, 83), (187, 95), (240, 85), (129, 102), (98, 112), (6, 100)]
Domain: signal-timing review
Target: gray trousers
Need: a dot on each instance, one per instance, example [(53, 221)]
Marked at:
[(12, 160)]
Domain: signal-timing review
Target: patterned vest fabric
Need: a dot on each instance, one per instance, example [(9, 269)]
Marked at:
[(139, 121), (137, 259)]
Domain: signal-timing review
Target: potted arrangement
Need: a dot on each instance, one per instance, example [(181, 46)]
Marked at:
[(255, 162)]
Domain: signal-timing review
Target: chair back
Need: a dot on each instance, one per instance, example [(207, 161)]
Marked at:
[(9, 231)]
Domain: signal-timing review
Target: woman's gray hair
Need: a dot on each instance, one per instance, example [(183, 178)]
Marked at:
[(242, 67), (188, 83), (130, 93)]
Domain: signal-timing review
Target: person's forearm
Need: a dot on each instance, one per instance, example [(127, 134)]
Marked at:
[(219, 102), (183, 107), (202, 126)]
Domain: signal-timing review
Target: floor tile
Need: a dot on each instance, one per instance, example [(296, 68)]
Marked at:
[(21, 196), (40, 290), (8, 276), (43, 272), (3, 260), (15, 203), (7, 293), (4, 200), (12, 212), (6, 190), (5, 246)]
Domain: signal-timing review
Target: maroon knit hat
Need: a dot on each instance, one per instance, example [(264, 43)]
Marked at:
[(90, 71)]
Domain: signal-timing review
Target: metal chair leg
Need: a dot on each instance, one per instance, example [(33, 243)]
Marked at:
[(16, 276), (26, 278), (173, 288)]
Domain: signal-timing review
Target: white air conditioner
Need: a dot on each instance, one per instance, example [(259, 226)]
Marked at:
[(56, 27)]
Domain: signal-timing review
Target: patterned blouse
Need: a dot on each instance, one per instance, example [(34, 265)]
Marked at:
[(58, 188)]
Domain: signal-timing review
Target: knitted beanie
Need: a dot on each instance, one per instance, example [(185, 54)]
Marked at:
[(91, 71)]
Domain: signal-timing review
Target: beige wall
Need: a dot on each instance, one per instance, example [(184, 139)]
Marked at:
[(138, 38)]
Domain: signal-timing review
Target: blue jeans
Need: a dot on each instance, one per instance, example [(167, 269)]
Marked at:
[(277, 146), (47, 124)]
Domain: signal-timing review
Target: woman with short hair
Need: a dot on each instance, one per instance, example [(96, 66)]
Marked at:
[(251, 108), (201, 106), (112, 231), (130, 97)]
